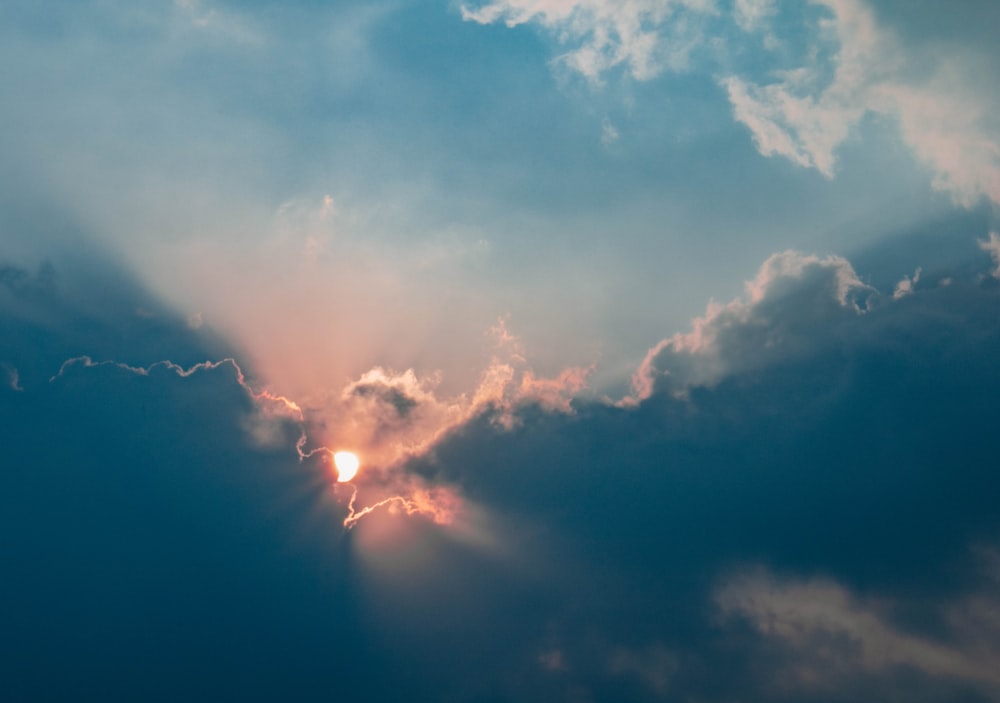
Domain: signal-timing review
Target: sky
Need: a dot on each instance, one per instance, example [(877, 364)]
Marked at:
[(665, 333)]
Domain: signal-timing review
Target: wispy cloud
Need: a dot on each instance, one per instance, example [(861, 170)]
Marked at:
[(644, 37), (992, 247), (13, 377), (752, 14), (805, 117), (832, 634), (856, 67), (906, 286)]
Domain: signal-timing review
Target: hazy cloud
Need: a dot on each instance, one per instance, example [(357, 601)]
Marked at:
[(13, 378), (833, 635), (750, 15)]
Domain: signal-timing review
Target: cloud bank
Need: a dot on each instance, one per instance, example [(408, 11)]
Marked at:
[(813, 516)]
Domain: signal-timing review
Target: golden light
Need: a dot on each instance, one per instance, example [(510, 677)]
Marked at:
[(347, 464)]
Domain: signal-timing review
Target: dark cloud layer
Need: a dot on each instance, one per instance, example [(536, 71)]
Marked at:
[(867, 459), (817, 525), (144, 553)]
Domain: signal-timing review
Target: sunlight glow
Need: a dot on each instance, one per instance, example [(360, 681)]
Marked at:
[(347, 464)]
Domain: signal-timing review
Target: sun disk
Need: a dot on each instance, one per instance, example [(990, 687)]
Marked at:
[(347, 464)]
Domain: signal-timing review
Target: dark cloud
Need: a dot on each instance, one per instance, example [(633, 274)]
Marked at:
[(88, 306), (815, 525), (147, 548), (865, 456)]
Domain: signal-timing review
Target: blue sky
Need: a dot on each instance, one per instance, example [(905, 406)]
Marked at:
[(572, 277)]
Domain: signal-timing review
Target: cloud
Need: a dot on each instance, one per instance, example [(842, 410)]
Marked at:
[(906, 285), (644, 37), (992, 247), (654, 667), (209, 17), (838, 433), (750, 15), (527, 552), (150, 529), (831, 636), (805, 117), (793, 303), (609, 133), (390, 416), (268, 424), (855, 67), (13, 377), (82, 308)]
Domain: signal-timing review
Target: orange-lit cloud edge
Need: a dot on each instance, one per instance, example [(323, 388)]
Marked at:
[(383, 419), (387, 418)]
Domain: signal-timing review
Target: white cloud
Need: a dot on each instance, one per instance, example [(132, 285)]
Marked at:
[(645, 37), (789, 304), (805, 118), (803, 114)]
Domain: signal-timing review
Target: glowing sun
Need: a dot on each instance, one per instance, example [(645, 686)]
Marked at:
[(347, 464)]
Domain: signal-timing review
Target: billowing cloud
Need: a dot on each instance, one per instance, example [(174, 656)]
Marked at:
[(824, 444), (794, 301), (389, 415)]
